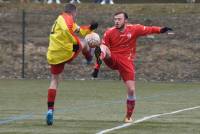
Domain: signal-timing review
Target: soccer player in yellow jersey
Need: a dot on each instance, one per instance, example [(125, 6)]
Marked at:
[(64, 46)]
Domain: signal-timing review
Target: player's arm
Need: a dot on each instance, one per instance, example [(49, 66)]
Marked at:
[(165, 29), (84, 30), (142, 30)]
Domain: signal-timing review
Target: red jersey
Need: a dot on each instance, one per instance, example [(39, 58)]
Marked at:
[(124, 43)]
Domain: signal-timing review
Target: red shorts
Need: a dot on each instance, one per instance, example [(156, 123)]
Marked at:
[(58, 68), (121, 63)]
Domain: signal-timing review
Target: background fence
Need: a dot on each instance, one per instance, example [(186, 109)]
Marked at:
[(125, 1), (24, 42)]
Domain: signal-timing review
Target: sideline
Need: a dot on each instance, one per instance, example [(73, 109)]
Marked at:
[(146, 118), (16, 118)]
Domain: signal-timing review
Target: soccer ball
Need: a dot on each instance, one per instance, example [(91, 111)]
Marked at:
[(92, 39)]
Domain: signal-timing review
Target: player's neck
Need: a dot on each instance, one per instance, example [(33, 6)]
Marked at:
[(122, 29)]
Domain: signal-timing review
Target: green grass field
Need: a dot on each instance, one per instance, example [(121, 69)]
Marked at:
[(88, 107)]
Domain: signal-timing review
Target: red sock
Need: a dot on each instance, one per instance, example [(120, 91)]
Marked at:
[(130, 107), (51, 98), (97, 66)]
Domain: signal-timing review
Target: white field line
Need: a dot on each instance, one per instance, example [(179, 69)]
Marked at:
[(145, 118)]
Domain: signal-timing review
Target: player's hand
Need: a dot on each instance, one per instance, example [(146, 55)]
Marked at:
[(165, 29), (93, 25), (95, 73)]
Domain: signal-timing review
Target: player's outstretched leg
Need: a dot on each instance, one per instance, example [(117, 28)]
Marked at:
[(88, 54), (97, 53)]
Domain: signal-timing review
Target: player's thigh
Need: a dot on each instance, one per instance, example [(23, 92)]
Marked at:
[(127, 70), (83, 44), (111, 62)]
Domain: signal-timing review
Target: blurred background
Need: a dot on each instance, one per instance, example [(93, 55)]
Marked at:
[(25, 27)]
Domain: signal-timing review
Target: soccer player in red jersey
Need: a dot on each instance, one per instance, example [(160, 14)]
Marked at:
[(118, 50)]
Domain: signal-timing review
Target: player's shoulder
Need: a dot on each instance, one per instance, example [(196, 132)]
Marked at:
[(60, 18), (109, 30), (133, 25)]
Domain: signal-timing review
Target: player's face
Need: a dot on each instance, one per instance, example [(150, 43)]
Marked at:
[(74, 14), (119, 21)]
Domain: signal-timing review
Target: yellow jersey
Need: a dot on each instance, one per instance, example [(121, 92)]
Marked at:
[(62, 39)]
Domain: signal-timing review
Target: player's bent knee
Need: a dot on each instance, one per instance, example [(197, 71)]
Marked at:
[(105, 50)]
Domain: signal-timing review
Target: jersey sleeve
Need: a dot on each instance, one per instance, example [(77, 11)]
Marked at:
[(106, 39), (142, 30), (82, 30)]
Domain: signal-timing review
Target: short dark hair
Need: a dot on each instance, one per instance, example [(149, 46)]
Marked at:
[(121, 12), (69, 8)]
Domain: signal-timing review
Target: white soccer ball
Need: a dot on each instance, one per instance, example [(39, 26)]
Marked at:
[(92, 39)]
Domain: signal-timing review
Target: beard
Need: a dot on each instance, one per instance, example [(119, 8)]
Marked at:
[(121, 28)]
